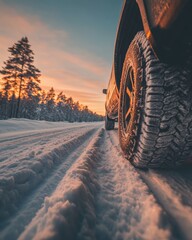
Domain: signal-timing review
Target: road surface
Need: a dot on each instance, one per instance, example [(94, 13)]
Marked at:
[(71, 181)]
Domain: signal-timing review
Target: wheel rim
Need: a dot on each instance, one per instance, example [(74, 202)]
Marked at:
[(128, 101)]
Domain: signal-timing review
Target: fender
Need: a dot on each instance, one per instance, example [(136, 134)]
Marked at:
[(167, 25)]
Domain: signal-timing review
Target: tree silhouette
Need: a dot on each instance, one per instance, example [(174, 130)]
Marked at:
[(21, 95), (19, 74)]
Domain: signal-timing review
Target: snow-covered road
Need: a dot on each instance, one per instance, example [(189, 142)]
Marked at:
[(71, 181)]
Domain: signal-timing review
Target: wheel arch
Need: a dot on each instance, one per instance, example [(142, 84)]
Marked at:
[(130, 23)]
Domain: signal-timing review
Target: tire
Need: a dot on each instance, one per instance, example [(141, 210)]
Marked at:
[(155, 109), (109, 123)]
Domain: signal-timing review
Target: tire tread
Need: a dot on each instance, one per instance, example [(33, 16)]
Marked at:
[(164, 135)]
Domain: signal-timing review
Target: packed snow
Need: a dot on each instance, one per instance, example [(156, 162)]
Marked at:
[(26, 161), (71, 181), (22, 124)]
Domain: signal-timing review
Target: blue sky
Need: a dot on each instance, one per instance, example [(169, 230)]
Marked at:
[(73, 42)]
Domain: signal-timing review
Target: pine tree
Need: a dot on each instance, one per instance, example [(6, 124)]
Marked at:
[(50, 103), (21, 95), (1, 105), (19, 71), (61, 106), (6, 86), (42, 108), (69, 109), (76, 111)]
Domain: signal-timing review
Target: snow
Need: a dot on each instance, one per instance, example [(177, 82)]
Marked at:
[(32, 158), (71, 181), (22, 124), (20, 127), (70, 213), (63, 212), (172, 202)]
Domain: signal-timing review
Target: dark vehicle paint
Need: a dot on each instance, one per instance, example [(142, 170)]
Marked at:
[(167, 25)]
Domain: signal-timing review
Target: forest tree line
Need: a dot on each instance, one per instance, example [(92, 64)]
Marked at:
[(22, 97)]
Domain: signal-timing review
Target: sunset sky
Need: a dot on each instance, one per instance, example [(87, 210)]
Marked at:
[(73, 42)]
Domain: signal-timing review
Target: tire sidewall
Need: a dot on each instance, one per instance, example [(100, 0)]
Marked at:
[(128, 138)]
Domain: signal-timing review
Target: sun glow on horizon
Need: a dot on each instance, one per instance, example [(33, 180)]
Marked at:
[(95, 102), (65, 64)]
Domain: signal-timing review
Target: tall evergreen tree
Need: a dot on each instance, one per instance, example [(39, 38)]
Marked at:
[(42, 109), (6, 86), (19, 70), (21, 95), (61, 106), (69, 109), (50, 102)]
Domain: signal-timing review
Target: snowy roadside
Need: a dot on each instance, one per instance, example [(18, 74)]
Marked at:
[(63, 213), (20, 127), (21, 124), (95, 201), (73, 182), (21, 173)]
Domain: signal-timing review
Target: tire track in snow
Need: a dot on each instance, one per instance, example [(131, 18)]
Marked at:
[(72, 203), (125, 208), (19, 140), (23, 134), (33, 202), (171, 201), (22, 146), (15, 187), (35, 146), (29, 138), (172, 190), (100, 197)]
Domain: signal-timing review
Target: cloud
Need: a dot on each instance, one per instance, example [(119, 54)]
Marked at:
[(83, 64), (73, 81), (18, 23), (15, 25)]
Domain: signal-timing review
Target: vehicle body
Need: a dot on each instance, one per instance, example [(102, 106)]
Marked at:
[(167, 27), (161, 22)]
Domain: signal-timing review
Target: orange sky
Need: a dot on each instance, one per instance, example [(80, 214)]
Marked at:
[(66, 63)]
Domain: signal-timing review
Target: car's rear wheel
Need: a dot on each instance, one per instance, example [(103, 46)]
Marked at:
[(109, 123), (155, 109)]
